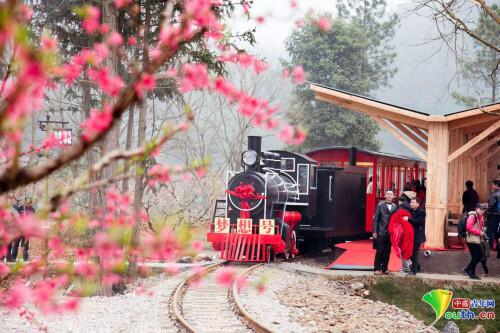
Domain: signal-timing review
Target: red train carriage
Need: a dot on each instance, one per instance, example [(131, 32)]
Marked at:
[(390, 172), (283, 202)]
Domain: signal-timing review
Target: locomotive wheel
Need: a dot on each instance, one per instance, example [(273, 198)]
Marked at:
[(271, 255), (294, 244)]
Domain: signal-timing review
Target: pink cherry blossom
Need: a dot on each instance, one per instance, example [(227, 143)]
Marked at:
[(29, 226), (158, 174), (260, 66), (122, 3), (146, 82), (98, 122), (110, 85), (194, 77), (131, 41), (48, 43), (16, 295), (110, 279), (197, 245), (323, 23), (71, 304), (4, 269), (71, 72), (25, 13), (91, 19), (291, 135), (225, 276), (245, 59), (241, 283), (298, 75), (114, 39)]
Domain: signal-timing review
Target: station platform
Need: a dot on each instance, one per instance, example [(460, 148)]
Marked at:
[(359, 255)]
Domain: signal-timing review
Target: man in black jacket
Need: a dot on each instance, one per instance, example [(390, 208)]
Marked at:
[(417, 220), (381, 238)]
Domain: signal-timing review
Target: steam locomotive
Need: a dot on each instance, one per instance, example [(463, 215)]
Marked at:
[(283, 203)]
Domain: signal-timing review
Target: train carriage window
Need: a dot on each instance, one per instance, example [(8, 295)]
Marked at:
[(369, 180), (313, 181), (288, 164), (303, 178)]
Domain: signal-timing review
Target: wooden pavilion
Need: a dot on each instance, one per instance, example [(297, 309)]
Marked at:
[(458, 146)]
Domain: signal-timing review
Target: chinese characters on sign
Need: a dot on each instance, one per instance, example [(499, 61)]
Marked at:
[(221, 225), (244, 226), (266, 226), (63, 137)]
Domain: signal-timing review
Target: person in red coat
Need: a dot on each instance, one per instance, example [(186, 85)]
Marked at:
[(401, 233)]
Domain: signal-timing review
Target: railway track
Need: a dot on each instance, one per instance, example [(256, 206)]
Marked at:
[(211, 307)]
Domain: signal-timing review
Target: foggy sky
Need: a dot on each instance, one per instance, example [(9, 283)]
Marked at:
[(426, 73)]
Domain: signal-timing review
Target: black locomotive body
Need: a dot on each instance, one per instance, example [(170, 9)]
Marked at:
[(310, 207)]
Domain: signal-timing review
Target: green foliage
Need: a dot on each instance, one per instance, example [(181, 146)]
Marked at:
[(63, 18), (407, 294), (353, 56), (482, 69)]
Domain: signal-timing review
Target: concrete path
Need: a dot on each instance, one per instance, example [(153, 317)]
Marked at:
[(327, 272)]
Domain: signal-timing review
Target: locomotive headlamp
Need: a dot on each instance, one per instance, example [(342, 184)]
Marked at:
[(249, 157)]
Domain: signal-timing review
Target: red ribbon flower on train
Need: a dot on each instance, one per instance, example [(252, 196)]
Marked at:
[(245, 192)]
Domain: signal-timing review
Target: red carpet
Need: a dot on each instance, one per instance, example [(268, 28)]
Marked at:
[(359, 255)]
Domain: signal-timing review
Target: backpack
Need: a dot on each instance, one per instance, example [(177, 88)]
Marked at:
[(462, 226)]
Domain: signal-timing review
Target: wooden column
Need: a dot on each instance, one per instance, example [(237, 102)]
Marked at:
[(437, 184)]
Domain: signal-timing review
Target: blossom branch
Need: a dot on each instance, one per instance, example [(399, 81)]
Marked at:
[(110, 157), (11, 180)]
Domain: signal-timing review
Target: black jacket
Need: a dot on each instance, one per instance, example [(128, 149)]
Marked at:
[(469, 200), (493, 201), (417, 220), (381, 218)]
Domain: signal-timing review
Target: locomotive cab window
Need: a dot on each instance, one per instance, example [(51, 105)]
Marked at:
[(313, 181), (303, 178), (288, 164)]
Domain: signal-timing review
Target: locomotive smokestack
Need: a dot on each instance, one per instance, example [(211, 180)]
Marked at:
[(255, 143)]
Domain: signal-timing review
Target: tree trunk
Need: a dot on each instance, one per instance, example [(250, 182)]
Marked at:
[(111, 140), (128, 145), (87, 102), (141, 136)]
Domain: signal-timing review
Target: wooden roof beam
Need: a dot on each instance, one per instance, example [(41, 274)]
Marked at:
[(373, 111), (496, 151), (471, 121), (495, 108), (410, 134), (420, 132), (474, 141), (484, 146), (401, 138)]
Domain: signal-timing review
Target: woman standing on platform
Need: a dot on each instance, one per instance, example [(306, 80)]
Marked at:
[(475, 224)]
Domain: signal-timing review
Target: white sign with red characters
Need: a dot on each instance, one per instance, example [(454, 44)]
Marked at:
[(63, 137), (244, 226), (221, 225), (266, 226)]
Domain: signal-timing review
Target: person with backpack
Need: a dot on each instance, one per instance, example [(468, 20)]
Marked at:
[(474, 228), (493, 219)]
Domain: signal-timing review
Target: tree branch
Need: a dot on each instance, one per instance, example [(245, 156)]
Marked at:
[(11, 180)]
